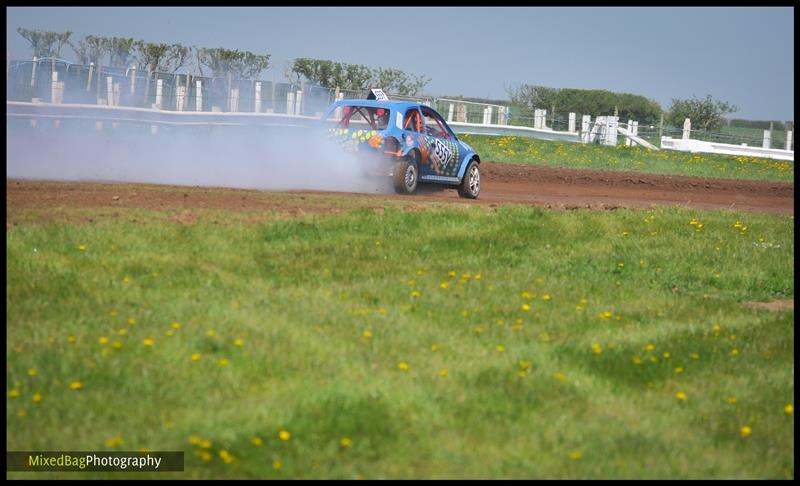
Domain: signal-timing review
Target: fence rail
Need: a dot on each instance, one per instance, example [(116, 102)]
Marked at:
[(59, 82)]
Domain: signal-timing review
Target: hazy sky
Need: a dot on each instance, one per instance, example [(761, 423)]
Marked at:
[(741, 55)]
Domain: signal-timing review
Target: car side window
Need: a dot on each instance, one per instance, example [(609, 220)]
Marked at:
[(433, 125), (411, 121)]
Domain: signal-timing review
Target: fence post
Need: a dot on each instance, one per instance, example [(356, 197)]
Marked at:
[(298, 100), (133, 79), (234, 102), (198, 96), (788, 140), (543, 119), (339, 97), (33, 71), (687, 129), (461, 113), (488, 115), (635, 131), (767, 138), (661, 128), (109, 91), (290, 103), (179, 90), (630, 131), (54, 88), (258, 97), (159, 93), (586, 124), (450, 113)]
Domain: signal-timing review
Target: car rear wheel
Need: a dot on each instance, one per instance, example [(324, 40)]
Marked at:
[(406, 175), (470, 186)]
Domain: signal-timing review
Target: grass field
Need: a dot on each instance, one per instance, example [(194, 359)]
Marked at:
[(446, 342), (522, 150)]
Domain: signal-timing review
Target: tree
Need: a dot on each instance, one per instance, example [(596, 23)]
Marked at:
[(705, 114), (120, 50), (355, 77), (45, 43), (584, 101), (161, 57), (397, 81), (239, 64)]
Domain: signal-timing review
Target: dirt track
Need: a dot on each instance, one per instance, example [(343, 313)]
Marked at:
[(502, 183)]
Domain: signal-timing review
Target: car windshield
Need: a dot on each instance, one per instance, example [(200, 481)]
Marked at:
[(376, 118)]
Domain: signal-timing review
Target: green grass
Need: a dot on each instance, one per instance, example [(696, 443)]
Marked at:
[(300, 294), (523, 150)]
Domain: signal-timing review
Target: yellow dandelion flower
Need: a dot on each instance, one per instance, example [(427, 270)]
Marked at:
[(176, 325), (114, 441), (559, 376), (666, 355), (103, 340), (605, 315), (276, 464), (500, 348), (257, 441), (745, 431), (731, 400), (346, 442), (403, 365), (434, 347), (71, 339), (223, 362), (734, 352), (116, 344), (596, 348), (194, 440), (525, 295), (789, 409), (131, 321), (211, 333), (526, 307), (583, 301), (444, 285), (451, 273), (226, 456), (33, 372), (546, 297), (576, 456), (13, 393), (122, 332), (478, 330), (415, 293), (637, 360), (284, 435), (367, 334), (81, 247), (205, 444), (443, 372), (206, 456), (524, 365), (196, 356), (169, 333), (238, 342), (75, 385), (679, 370), (477, 276), (695, 355), (148, 341), (681, 396), (37, 397)]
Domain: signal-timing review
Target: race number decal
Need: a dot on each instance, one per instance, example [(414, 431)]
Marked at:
[(442, 154)]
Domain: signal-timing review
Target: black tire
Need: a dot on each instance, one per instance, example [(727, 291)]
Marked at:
[(406, 175), (470, 186)]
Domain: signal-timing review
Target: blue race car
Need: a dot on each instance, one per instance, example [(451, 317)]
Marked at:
[(412, 140)]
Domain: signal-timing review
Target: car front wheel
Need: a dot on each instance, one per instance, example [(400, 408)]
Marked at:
[(470, 186)]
